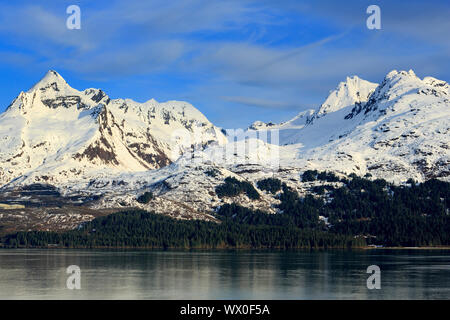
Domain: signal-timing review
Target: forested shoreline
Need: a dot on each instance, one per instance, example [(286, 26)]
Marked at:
[(141, 229), (354, 213)]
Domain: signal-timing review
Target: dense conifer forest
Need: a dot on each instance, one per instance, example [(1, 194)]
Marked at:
[(139, 228), (337, 213)]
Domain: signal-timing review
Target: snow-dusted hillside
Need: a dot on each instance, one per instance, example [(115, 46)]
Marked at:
[(54, 134)]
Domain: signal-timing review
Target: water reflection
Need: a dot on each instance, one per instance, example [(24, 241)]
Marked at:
[(41, 274)]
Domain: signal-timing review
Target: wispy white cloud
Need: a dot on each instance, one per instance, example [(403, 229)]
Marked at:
[(263, 103)]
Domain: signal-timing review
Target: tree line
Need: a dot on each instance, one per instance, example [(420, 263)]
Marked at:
[(141, 229)]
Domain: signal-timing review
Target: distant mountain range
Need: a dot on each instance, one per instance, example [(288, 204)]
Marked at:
[(85, 142)]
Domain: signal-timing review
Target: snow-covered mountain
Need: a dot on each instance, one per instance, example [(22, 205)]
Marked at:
[(53, 134), (86, 143), (396, 130)]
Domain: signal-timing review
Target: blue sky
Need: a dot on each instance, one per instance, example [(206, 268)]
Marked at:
[(237, 60)]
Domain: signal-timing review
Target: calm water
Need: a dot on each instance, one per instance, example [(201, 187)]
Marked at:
[(41, 274)]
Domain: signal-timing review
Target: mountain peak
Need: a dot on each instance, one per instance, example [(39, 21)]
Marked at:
[(402, 73), (51, 79), (352, 79), (53, 73), (396, 77), (399, 82), (404, 86), (347, 93)]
